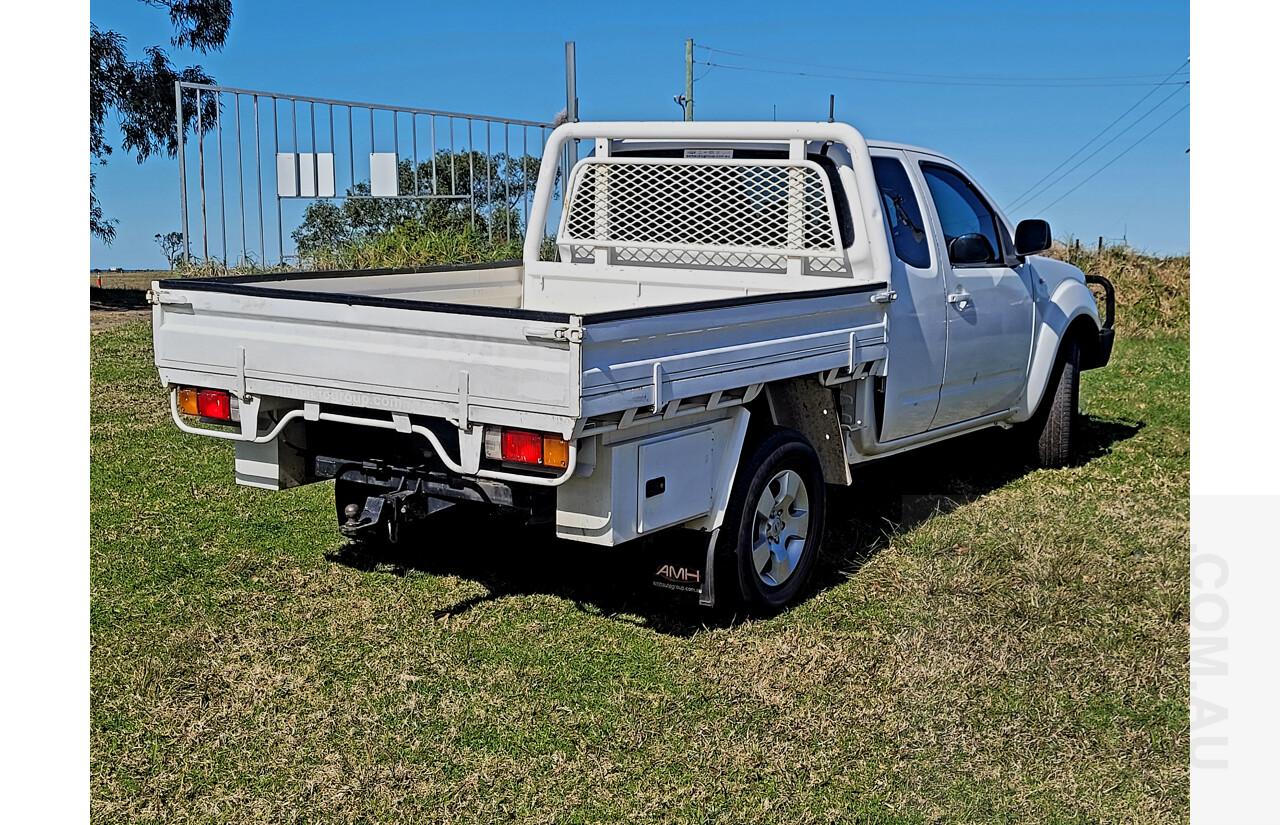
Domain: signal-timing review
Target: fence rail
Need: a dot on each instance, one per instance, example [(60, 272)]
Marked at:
[(261, 159)]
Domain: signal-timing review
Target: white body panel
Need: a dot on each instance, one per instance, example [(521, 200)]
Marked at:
[(458, 366), (989, 321)]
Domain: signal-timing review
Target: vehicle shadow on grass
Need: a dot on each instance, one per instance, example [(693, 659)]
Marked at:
[(897, 494), (889, 497)]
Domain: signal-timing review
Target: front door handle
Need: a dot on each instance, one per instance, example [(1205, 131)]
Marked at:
[(960, 299)]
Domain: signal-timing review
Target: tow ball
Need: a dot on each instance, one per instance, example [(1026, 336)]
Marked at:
[(386, 514)]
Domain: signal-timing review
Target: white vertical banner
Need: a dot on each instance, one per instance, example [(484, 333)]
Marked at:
[(1235, 569)]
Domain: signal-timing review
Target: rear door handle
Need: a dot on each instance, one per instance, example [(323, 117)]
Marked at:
[(960, 299)]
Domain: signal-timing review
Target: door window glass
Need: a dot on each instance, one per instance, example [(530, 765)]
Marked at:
[(906, 224), (960, 210)]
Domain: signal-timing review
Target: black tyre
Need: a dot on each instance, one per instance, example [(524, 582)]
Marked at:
[(775, 520), (1059, 410)]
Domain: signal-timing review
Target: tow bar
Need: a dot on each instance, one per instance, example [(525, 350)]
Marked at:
[(390, 511)]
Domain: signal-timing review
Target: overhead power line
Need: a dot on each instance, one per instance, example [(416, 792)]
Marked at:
[(1023, 197), (1116, 158), (937, 82), (1091, 155), (953, 77)]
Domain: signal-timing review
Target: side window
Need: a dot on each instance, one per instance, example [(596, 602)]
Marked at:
[(906, 224), (960, 210)]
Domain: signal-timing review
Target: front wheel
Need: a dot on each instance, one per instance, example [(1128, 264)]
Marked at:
[(777, 514), (1056, 420)]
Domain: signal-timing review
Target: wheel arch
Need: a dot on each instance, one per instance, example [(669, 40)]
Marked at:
[(1071, 314), (813, 412)]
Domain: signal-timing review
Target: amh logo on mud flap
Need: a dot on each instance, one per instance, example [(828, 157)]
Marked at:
[(679, 575)]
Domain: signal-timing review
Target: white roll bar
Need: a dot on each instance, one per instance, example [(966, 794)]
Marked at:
[(842, 133)]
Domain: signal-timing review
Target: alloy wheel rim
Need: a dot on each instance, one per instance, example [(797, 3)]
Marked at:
[(780, 528)]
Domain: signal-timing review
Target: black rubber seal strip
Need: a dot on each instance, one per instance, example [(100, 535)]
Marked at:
[(250, 285), (723, 303), (311, 274)]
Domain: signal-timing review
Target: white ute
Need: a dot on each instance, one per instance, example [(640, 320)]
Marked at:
[(737, 313)]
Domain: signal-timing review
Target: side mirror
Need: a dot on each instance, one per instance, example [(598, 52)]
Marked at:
[(973, 248), (1032, 237)]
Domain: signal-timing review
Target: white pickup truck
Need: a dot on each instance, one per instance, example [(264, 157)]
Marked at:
[(736, 314)]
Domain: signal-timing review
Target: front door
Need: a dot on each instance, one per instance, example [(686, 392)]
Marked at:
[(990, 309)]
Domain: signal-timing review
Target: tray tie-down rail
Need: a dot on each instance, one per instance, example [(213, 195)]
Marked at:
[(399, 422)]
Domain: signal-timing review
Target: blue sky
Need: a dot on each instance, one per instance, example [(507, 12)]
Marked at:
[(508, 59)]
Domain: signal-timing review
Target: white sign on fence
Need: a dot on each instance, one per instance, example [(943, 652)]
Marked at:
[(296, 175), (383, 178)]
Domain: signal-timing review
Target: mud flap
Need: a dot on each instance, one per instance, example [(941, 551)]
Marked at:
[(685, 565)]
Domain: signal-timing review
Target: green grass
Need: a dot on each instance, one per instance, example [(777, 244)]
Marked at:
[(412, 244), (984, 643)]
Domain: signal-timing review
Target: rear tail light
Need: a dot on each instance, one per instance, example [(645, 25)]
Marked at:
[(522, 447), (525, 447), (215, 404)]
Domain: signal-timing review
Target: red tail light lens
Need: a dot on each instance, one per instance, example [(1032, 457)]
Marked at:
[(521, 446), (214, 404)]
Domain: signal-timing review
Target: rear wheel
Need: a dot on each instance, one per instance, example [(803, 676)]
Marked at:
[(777, 514), (1059, 411)]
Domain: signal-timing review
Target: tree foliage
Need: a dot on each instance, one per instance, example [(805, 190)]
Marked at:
[(140, 92), (170, 244), (473, 192)]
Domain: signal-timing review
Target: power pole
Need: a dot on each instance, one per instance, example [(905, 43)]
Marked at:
[(571, 98), (570, 81), (688, 79)]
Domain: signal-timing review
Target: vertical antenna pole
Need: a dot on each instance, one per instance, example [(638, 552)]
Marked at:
[(831, 110)]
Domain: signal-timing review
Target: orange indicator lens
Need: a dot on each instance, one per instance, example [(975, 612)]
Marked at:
[(555, 451), (187, 401)]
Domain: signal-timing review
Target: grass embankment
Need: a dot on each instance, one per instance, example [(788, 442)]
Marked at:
[(985, 643), (1153, 295)]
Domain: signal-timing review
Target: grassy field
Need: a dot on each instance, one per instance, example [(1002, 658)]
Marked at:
[(985, 643), (140, 280)]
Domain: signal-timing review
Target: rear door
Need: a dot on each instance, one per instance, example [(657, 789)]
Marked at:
[(917, 318), (990, 308)]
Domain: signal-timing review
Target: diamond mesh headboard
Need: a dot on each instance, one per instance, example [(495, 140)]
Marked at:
[(738, 214)]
